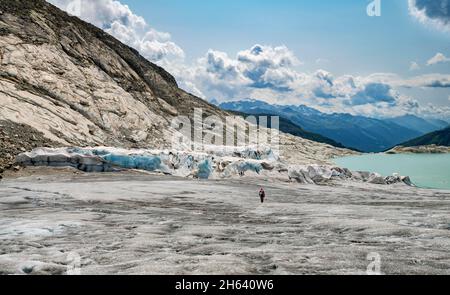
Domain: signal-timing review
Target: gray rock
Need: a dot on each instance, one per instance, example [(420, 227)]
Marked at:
[(376, 178), (300, 177), (407, 180), (392, 179)]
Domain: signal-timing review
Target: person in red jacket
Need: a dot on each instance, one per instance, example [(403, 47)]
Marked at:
[(262, 195)]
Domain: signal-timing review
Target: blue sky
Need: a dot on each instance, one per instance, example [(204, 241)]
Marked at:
[(326, 54), (339, 31)]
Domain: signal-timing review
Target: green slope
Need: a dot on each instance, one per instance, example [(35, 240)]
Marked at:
[(441, 137)]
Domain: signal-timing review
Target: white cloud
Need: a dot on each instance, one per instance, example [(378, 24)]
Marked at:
[(373, 93), (258, 73), (429, 80), (424, 81), (414, 66), (269, 73), (217, 75), (433, 111), (268, 66), (437, 59), (118, 20)]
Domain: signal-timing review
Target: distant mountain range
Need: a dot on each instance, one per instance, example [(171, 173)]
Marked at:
[(357, 132), (419, 124), (289, 127), (440, 137)]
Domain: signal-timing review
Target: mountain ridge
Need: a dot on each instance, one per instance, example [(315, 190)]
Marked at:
[(79, 69), (417, 123), (289, 127), (358, 132)]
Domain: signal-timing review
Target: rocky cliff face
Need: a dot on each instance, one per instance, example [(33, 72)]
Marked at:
[(78, 85), (73, 84)]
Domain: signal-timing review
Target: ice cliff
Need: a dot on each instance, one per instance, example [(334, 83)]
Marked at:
[(214, 163)]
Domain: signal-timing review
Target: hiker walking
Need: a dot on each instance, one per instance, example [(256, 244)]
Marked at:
[(262, 195)]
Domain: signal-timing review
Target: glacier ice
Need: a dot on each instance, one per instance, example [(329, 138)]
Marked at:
[(226, 163), (148, 163), (216, 162), (204, 169)]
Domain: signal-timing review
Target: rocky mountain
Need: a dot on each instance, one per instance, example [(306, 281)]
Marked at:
[(67, 82), (358, 132), (438, 138), (419, 124), (438, 122), (78, 85), (287, 126), (12, 142)]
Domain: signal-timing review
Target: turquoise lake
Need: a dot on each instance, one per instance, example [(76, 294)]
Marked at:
[(425, 170)]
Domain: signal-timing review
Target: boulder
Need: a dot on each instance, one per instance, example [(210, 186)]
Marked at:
[(299, 176), (311, 173), (267, 166), (376, 178), (360, 175), (406, 180), (319, 173), (392, 179)]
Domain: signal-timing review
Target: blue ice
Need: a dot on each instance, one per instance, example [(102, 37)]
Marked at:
[(204, 169), (149, 163), (247, 166)]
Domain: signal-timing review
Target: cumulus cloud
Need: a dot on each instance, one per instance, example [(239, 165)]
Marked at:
[(274, 75), (260, 67), (267, 66), (269, 73), (118, 20), (218, 75), (437, 59), (429, 80), (434, 12), (373, 93), (433, 111), (420, 81), (323, 84)]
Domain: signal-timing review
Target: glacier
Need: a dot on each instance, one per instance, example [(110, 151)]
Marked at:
[(214, 163), (203, 165)]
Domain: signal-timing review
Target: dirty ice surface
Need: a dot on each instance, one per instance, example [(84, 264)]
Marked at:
[(132, 223)]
